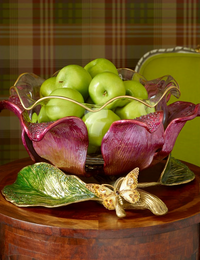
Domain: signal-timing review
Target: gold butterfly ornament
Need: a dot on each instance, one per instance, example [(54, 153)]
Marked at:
[(124, 190)]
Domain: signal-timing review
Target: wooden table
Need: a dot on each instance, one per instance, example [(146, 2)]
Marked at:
[(89, 231)]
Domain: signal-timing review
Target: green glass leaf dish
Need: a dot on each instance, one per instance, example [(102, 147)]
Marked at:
[(176, 173), (42, 184)]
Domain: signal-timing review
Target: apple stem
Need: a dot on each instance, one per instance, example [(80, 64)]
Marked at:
[(105, 93)]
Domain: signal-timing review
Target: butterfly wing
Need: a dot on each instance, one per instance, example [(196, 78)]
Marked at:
[(109, 201), (107, 195), (130, 182), (128, 186), (132, 196), (112, 199)]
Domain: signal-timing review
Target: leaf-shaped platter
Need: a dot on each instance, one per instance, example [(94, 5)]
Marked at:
[(42, 184), (174, 173)]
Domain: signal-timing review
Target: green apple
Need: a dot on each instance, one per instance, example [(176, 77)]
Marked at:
[(58, 108), (133, 109), (42, 116), (34, 118), (106, 86), (135, 89), (97, 124), (100, 65), (47, 87), (76, 77)]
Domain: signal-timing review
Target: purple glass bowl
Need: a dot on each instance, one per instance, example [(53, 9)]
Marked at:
[(139, 142)]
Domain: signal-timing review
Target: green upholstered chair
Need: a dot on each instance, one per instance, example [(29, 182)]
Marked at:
[(184, 65)]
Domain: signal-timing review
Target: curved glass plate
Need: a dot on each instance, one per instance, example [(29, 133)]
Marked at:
[(27, 89), (151, 137)]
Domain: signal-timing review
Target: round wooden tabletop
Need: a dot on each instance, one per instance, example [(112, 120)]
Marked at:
[(87, 230)]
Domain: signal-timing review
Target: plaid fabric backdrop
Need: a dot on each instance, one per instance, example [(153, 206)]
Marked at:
[(42, 36)]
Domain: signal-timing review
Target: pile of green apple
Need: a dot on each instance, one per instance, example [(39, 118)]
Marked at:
[(96, 83)]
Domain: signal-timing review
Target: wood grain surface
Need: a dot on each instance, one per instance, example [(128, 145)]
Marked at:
[(87, 230)]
